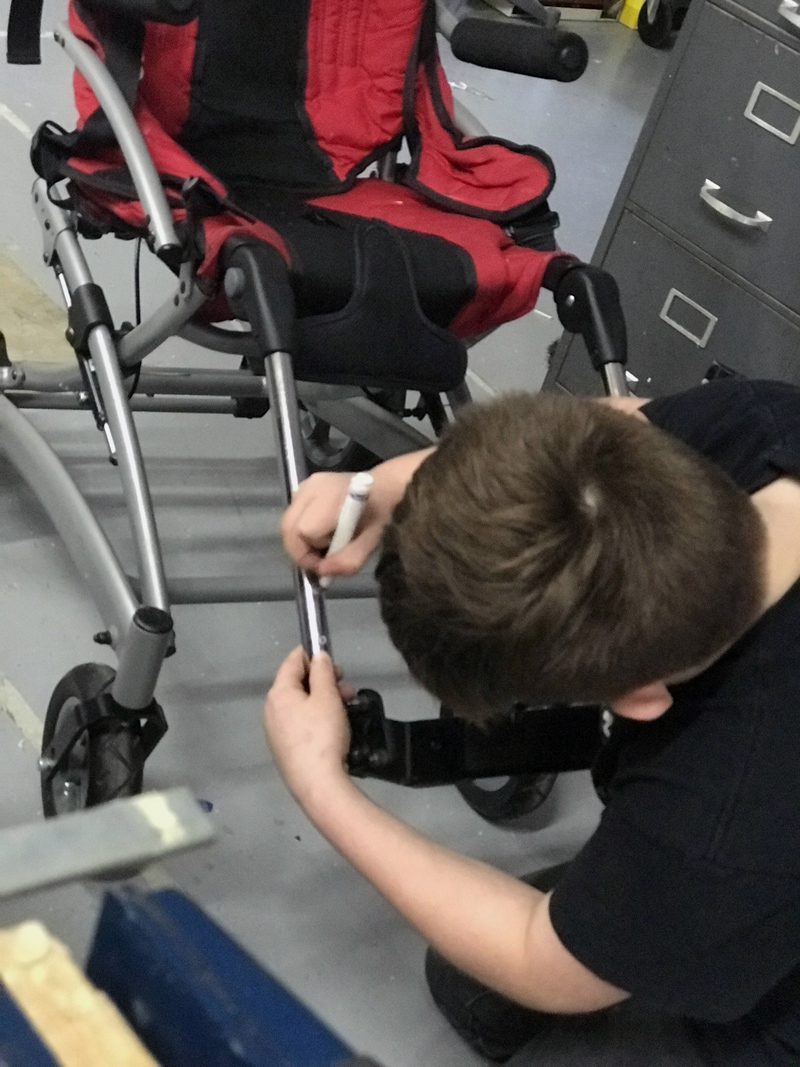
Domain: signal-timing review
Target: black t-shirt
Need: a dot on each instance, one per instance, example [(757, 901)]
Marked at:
[(688, 894)]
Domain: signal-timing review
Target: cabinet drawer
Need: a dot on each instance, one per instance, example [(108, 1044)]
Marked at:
[(785, 14), (730, 71), (682, 317)]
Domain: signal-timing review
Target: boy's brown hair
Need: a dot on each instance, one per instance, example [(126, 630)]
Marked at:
[(555, 550)]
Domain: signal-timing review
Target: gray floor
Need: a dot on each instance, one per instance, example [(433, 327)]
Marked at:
[(270, 879)]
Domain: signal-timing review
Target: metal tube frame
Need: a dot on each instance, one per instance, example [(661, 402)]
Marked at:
[(314, 629), (105, 362), (116, 110)]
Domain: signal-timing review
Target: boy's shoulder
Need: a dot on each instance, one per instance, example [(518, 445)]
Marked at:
[(749, 428)]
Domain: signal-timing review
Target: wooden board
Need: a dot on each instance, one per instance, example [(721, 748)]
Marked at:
[(78, 1024)]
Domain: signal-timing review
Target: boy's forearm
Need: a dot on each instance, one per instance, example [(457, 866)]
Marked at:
[(474, 915)]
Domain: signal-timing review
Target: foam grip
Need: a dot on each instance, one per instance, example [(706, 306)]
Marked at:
[(520, 48)]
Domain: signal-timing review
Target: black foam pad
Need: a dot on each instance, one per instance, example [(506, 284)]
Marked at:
[(521, 48)]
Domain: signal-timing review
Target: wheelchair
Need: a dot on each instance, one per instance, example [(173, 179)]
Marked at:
[(252, 146)]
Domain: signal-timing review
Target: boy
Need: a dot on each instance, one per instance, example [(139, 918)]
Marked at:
[(553, 549)]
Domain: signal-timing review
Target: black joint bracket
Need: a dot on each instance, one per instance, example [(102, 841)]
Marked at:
[(588, 303), (431, 752), (258, 289), (88, 311)]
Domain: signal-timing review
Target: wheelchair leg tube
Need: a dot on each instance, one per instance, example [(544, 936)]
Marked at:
[(131, 466), (289, 440), (103, 352), (140, 658), (614, 380)]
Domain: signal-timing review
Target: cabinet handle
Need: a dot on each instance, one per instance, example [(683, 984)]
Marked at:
[(675, 296), (790, 10), (759, 221)]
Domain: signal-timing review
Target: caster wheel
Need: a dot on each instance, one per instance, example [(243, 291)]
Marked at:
[(504, 799), (328, 449), (105, 763), (658, 33)]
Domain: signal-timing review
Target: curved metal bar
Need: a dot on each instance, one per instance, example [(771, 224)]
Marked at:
[(143, 172), (83, 538), (466, 121), (233, 342)]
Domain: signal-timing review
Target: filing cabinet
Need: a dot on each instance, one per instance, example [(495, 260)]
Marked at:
[(704, 235)]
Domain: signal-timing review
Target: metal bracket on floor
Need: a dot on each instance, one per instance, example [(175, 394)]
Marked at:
[(122, 834)]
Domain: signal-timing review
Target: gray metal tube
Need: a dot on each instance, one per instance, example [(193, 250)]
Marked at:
[(242, 589), (466, 121), (235, 342), (141, 657), (131, 468), (614, 379), (83, 538), (178, 405), (314, 629), (120, 421), (48, 377), (366, 422), (387, 167), (194, 381), (164, 323), (459, 397), (446, 21), (143, 172)]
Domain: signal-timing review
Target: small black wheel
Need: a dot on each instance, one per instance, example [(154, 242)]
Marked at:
[(504, 798), (328, 449), (105, 763), (501, 800), (658, 33)]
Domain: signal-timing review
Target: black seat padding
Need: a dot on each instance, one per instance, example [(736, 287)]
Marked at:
[(381, 336), (322, 244)]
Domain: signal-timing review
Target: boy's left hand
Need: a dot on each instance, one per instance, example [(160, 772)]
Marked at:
[(306, 723)]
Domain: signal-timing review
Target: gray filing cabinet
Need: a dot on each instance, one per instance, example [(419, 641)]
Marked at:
[(704, 236)]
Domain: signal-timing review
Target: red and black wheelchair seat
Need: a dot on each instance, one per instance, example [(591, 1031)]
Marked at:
[(271, 111)]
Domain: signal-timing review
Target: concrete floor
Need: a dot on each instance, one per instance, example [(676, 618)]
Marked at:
[(270, 879)]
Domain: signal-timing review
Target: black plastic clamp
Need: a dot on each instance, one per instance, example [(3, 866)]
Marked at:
[(588, 303), (88, 310)]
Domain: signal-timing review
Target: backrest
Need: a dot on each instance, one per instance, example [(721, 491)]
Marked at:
[(295, 93)]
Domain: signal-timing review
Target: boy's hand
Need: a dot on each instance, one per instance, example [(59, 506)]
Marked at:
[(306, 724), (309, 521)]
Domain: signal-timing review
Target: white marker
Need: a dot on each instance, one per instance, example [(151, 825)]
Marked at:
[(354, 502)]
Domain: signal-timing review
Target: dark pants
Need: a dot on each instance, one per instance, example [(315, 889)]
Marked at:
[(504, 1032)]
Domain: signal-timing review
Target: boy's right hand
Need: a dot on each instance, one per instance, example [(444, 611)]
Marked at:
[(310, 520)]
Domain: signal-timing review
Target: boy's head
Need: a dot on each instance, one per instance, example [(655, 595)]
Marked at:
[(553, 550)]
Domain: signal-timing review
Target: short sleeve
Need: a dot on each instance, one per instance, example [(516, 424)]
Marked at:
[(749, 428), (681, 935)]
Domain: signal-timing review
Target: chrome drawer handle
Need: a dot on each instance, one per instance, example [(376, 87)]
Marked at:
[(790, 10), (759, 221), (676, 297)]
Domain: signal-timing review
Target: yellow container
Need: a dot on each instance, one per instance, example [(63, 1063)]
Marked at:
[(630, 13)]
